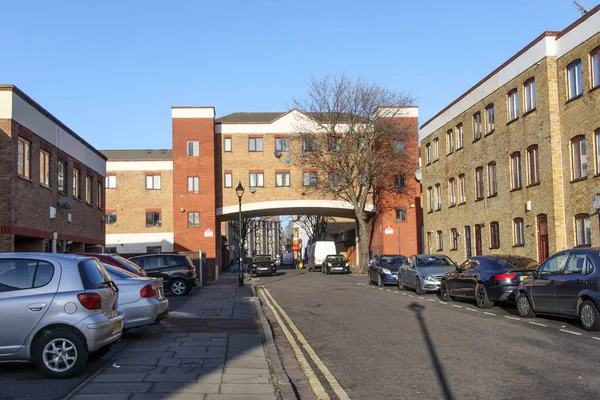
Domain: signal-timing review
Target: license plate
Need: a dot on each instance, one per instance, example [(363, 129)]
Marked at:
[(117, 326), (522, 277)]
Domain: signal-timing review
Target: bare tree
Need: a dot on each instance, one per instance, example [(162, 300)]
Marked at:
[(354, 140), (315, 226), (249, 226)]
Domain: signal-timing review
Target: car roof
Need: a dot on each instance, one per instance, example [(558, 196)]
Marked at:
[(55, 256), (158, 254)]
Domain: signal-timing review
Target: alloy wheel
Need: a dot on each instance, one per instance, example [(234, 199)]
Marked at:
[(588, 316), (523, 306), (178, 288), (59, 355)]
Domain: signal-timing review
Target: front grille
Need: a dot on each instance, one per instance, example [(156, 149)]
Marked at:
[(438, 277)]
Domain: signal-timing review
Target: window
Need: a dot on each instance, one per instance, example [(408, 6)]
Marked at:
[(428, 153), (438, 197), (489, 119), (440, 240), (430, 197), (193, 219), (492, 182), (255, 144), (282, 179), (228, 180), (100, 194), (513, 105), (227, 144), (334, 143), (578, 158), (111, 182), (193, 149), (309, 178), (436, 149), (399, 183), (479, 183), (398, 146), (583, 233), (598, 152), (574, 79), (193, 184), (44, 168), (515, 171), (62, 170), (450, 142), (335, 178), (518, 232), (257, 179), (24, 162), (153, 249), (282, 144), (533, 166), (529, 89), (153, 218), (401, 214), (459, 136), (452, 192), (88, 189), (20, 274), (476, 126), (462, 198), (309, 144), (553, 264), (152, 182), (76, 183), (595, 67), (111, 218), (494, 235), (454, 235)]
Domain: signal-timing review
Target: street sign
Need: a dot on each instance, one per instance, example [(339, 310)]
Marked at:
[(596, 202), (208, 232), (389, 230)]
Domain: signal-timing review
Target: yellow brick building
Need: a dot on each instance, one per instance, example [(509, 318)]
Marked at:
[(512, 165)]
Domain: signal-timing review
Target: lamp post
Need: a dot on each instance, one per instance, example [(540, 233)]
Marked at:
[(239, 190)]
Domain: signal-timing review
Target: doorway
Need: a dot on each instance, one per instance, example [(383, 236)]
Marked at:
[(468, 241), (542, 229), (478, 250)]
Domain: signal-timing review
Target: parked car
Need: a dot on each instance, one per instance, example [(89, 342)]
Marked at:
[(287, 259), (141, 299), (263, 264), (335, 263), (317, 253), (423, 272), (487, 279), (57, 310), (384, 269), (567, 284), (117, 261), (176, 270)]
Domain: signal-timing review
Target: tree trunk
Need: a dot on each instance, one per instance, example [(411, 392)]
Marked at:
[(363, 244)]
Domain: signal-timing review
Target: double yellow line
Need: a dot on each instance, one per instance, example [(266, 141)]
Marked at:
[(304, 364)]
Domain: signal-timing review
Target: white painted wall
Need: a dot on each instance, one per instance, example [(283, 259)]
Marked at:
[(5, 104), (139, 166), (578, 35), (287, 204), (192, 112), (137, 242)]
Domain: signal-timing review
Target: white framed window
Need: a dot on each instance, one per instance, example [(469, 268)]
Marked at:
[(459, 136), (76, 183), (309, 144), (492, 181), (100, 194), (454, 234), (282, 144), (193, 149), (597, 137), (578, 158), (110, 182), (153, 218), (398, 146), (227, 144), (152, 182), (583, 233), (450, 142), (430, 198), (476, 126), (515, 171), (257, 179), (595, 67), (574, 79), (193, 184), (452, 192), (401, 214), (399, 182), (438, 197), (462, 197), (494, 235), (533, 167), (513, 105), (62, 177), (436, 149), (24, 154), (334, 143), (228, 180), (529, 89), (519, 232), (193, 219), (255, 144), (440, 240), (44, 168), (309, 178), (282, 179), (479, 183), (335, 178), (111, 218), (88, 189), (490, 123), (428, 153)]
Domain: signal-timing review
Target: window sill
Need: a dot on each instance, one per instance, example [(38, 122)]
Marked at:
[(458, 148), (490, 132), (430, 212), (596, 176), (46, 187), (519, 245), (399, 220), (574, 98), (594, 88), (491, 196), (282, 186), (449, 154), (512, 120), (478, 199), (153, 226), (580, 246), (529, 112), (579, 179), (428, 164), (452, 206), (476, 140), (101, 208), (533, 185), (436, 160), (494, 247), (77, 199), (453, 249), (89, 204), (438, 209), (462, 204), (62, 193), (516, 189), (25, 178)]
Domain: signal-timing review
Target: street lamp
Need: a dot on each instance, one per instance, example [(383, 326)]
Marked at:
[(239, 190)]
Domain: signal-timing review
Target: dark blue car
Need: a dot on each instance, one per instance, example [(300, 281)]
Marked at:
[(383, 269)]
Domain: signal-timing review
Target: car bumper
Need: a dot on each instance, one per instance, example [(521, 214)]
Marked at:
[(430, 286), (341, 270), (100, 330), (391, 279), (502, 293), (145, 312)]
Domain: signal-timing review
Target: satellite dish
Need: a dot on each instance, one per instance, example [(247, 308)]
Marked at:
[(252, 189), (418, 174)]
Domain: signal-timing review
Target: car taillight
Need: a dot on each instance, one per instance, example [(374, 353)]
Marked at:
[(501, 277), (189, 270), (147, 291), (91, 301)]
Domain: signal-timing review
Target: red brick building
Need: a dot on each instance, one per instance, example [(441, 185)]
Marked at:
[(51, 181)]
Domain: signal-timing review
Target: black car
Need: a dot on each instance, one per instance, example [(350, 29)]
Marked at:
[(567, 284), (263, 264), (335, 263), (177, 271), (487, 279), (384, 269)]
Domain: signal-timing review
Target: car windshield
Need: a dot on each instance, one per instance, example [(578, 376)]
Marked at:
[(115, 272), (262, 259), (336, 258), (433, 261), (518, 263), (391, 261), (128, 262)]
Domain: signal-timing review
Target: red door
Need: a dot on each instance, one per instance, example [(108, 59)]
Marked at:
[(542, 228), (478, 246)]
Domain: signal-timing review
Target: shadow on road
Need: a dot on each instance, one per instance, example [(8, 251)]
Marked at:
[(439, 370)]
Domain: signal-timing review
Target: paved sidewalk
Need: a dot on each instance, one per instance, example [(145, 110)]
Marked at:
[(210, 348)]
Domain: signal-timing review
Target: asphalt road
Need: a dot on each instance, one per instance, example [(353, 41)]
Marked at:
[(387, 344)]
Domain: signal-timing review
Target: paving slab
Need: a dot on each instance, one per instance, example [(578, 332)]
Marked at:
[(163, 396), (173, 387), (263, 396), (121, 396), (246, 371), (119, 378), (103, 388), (247, 388), (137, 361), (131, 369), (170, 378), (245, 378)]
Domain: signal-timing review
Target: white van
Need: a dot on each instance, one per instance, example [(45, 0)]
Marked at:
[(317, 253)]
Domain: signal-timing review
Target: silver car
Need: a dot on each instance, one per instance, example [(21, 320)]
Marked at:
[(141, 299), (423, 272), (56, 310)]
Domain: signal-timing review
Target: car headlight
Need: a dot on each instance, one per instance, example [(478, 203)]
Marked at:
[(327, 264), (253, 265), (347, 265), (427, 277), (386, 271)]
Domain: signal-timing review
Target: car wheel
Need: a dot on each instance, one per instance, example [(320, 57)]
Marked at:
[(418, 289), (379, 281), (444, 292), (178, 287), (101, 352), (589, 316), (369, 280), (481, 297), (60, 353), (400, 283), (524, 306)]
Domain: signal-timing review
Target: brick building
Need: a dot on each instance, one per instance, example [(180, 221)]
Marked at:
[(139, 198), (511, 166), (51, 181)]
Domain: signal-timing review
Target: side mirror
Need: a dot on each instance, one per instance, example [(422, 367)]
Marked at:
[(535, 274)]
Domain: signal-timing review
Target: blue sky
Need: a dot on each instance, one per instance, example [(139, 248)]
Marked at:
[(111, 70)]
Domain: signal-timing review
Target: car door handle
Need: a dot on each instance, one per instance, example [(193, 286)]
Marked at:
[(578, 281), (36, 306)]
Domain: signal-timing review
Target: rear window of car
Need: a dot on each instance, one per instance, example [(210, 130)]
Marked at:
[(391, 260), (517, 263), (150, 261), (92, 274), (128, 263), (118, 272), (20, 274)]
